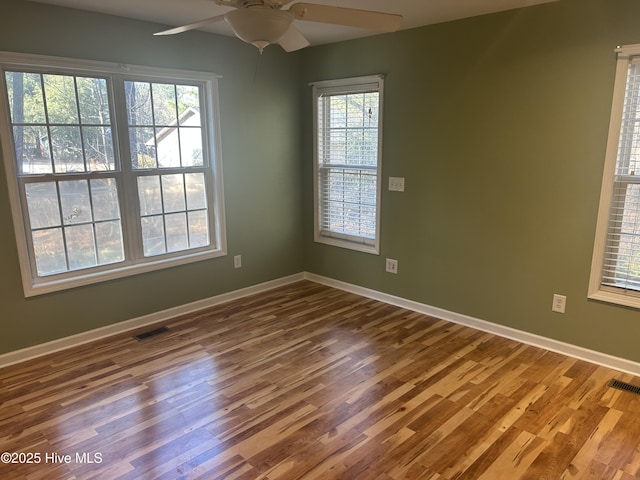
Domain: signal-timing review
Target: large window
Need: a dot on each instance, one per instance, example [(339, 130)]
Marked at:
[(615, 275), (347, 140), (112, 170)]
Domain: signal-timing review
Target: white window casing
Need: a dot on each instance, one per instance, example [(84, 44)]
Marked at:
[(347, 117), (615, 269), (113, 170)]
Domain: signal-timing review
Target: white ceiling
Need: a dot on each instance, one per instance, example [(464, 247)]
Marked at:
[(415, 13)]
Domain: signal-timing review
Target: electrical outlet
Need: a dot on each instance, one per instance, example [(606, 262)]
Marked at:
[(391, 265), (559, 303), (237, 261)]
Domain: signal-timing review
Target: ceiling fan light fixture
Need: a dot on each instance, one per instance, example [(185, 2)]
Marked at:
[(259, 26)]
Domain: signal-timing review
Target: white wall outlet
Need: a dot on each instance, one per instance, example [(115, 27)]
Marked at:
[(237, 261), (391, 265), (559, 303), (396, 184)]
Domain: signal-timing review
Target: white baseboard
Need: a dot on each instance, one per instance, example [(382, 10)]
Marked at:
[(153, 318), (592, 356), (598, 358)]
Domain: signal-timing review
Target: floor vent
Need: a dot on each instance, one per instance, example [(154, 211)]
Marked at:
[(627, 387), (150, 333)]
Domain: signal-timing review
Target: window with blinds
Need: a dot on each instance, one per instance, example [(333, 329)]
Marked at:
[(348, 119), (616, 266)]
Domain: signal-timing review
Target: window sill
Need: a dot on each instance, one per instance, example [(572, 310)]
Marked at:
[(351, 245), (51, 285), (616, 297)]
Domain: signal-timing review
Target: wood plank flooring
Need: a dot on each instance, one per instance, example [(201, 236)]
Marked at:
[(310, 382)]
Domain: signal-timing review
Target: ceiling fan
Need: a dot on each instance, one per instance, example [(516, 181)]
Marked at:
[(263, 22)]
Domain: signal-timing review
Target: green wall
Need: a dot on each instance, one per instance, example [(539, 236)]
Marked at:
[(499, 125), (259, 102)]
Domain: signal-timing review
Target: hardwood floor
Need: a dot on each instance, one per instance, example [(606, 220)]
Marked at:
[(309, 382)]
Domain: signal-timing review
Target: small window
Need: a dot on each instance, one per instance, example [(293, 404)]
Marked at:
[(110, 173), (347, 151), (615, 274)]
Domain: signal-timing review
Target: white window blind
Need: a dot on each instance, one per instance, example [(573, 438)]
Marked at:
[(348, 137), (622, 256), (616, 267)]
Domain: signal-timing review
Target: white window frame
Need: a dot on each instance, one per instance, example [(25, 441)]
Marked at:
[(599, 289), (337, 87), (135, 262)]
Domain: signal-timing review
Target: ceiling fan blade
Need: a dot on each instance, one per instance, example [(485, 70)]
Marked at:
[(191, 26), (293, 40), (279, 3), (245, 3), (350, 17)]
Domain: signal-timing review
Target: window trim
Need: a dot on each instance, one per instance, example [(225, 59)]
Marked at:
[(338, 86), (34, 285), (597, 290)]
